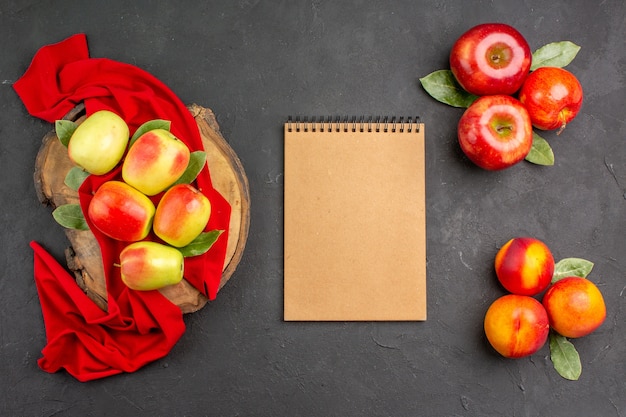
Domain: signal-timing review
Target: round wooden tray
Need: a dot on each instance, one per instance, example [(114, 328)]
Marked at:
[(83, 256)]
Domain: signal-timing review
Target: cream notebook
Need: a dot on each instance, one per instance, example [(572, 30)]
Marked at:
[(354, 220)]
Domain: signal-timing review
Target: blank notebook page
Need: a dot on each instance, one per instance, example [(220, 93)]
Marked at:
[(354, 222)]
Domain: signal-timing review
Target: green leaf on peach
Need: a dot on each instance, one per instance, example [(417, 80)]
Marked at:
[(75, 178), (571, 267), (555, 54), (201, 244), (443, 87), (197, 160), (64, 130), (540, 152), (70, 216), (148, 126), (564, 356)]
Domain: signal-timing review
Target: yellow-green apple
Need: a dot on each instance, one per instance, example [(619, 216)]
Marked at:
[(150, 265), (121, 212), (181, 215), (99, 142), (490, 58), (155, 161), (516, 325), (495, 132), (575, 307), (553, 97), (524, 266)]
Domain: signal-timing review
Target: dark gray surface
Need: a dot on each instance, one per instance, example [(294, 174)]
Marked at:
[(255, 63)]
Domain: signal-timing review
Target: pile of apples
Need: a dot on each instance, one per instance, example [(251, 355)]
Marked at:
[(518, 324), (146, 199), (492, 63)]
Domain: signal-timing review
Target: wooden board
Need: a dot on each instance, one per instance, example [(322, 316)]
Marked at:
[(83, 255)]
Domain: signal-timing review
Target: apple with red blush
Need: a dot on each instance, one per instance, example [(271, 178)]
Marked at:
[(150, 265), (181, 215), (490, 58), (553, 97), (495, 132), (155, 161), (121, 212)]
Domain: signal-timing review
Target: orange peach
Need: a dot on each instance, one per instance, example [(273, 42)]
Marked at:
[(516, 325), (524, 266), (575, 307)]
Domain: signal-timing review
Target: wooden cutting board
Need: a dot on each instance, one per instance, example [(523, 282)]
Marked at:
[(83, 255)]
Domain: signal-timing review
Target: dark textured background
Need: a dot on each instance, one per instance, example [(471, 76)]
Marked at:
[(255, 63)]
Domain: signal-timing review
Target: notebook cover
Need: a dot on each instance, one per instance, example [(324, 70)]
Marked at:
[(354, 223)]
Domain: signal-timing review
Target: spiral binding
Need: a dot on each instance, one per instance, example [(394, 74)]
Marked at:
[(354, 124)]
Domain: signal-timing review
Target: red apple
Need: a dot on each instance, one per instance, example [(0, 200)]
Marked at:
[(491, 58), (121, 212), (495, 132), (150, 265), (181, 215), (553, 97), (155, 161)]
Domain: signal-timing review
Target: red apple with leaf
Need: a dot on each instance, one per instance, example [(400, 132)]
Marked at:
[(491, 58), (495, 132), (553, 97), (121, 212)]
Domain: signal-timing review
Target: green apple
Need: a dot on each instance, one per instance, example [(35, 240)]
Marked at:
[(149, 265), (181, 215), (121, 212), (155, 161), (99, 142)]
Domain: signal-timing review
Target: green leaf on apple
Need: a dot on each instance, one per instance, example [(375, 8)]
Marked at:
[(64, 130), (148, 126), (564, 356), (555, 54), (201, 244), (70, 216), (540, 152), (443, 87), (75, 177), (571, 267), (197, 160)]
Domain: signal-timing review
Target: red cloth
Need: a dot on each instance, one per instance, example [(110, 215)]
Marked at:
[(139, 327)]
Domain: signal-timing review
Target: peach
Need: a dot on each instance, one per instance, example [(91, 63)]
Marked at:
[(516, 325), (575, 307), (524, 266), (121, 212)]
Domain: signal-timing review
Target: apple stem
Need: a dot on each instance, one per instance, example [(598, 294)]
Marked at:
[(563, 123), (117, 265)]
